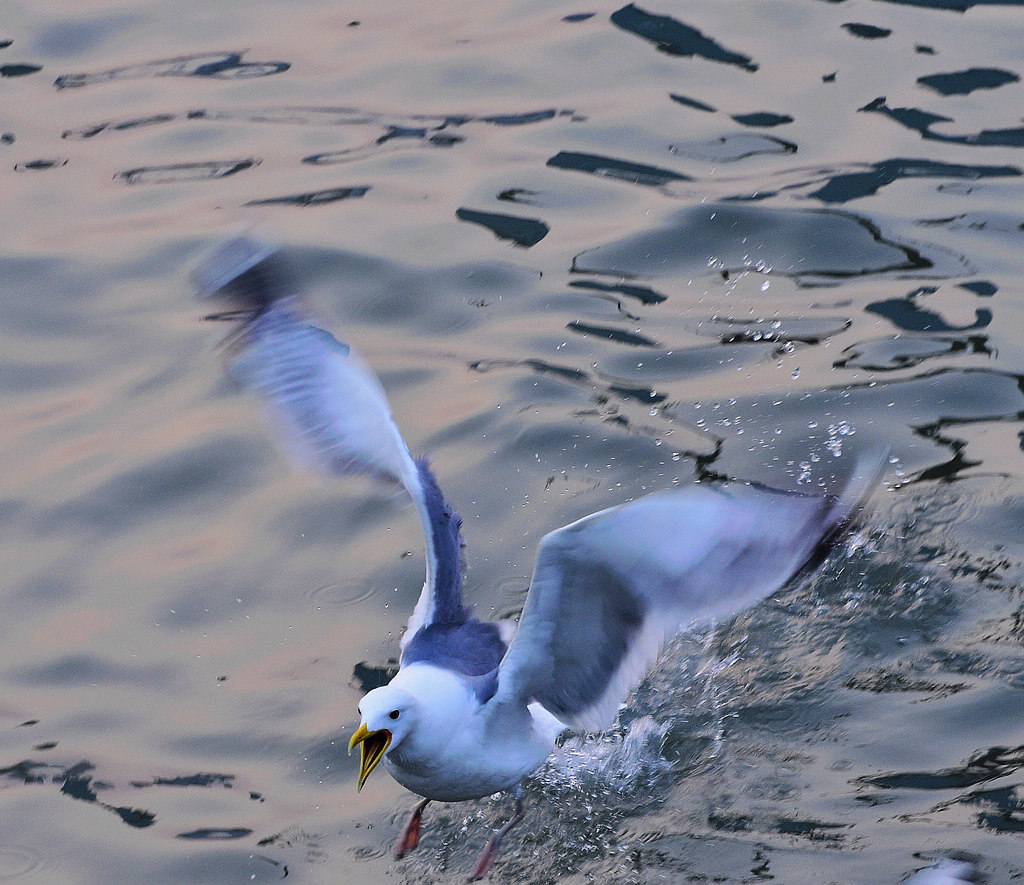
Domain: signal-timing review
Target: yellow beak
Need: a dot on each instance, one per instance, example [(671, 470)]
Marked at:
[(372, 747)]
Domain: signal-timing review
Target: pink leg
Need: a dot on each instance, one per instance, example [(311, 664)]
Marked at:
[(483, 865), (409, 838)]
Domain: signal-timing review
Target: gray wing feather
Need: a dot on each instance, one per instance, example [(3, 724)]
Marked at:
[(608, 590)]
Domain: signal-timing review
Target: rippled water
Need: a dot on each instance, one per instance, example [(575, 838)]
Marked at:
[(592, 251)]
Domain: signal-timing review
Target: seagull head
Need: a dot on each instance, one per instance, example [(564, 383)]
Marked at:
[(388, 715)]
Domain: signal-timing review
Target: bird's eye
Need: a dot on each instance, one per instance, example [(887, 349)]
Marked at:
[(394, 714)]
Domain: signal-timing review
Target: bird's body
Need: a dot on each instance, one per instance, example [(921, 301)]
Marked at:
[(440, 762), (475, 708)]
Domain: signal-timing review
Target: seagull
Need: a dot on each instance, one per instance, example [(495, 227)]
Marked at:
[(476, 706)]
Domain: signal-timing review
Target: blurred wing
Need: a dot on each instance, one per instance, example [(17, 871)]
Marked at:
[(326, 406), (608, 590)]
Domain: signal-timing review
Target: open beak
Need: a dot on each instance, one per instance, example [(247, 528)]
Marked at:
[(372, 747)]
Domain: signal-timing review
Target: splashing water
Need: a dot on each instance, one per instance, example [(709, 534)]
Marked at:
[(620, 761)]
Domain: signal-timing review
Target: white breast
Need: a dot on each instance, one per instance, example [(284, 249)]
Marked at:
[(461, 750)]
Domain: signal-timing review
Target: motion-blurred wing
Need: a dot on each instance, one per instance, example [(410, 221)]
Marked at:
[(608, 590), (326, 406)]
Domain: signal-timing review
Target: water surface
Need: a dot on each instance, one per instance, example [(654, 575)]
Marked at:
[(592, 251)]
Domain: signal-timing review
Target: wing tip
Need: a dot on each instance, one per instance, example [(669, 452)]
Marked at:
[(839, 512), (857, 489), (246, 268)]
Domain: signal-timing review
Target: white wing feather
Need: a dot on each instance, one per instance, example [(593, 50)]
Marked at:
[(325, 405)]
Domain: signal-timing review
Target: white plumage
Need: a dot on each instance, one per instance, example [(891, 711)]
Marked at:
[(468, 714)]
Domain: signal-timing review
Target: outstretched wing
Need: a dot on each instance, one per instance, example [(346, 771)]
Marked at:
[(608, 590), (326, 406)]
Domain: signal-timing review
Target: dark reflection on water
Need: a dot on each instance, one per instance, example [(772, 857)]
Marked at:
[(314, 198), (762, 118), (222, 65), (126, 125), (809, 330), (790, 242), (904, 352), (523, 232), (643, 294), (887, 681), (396, 132), (76, 782), (986, 765), (907, 315), (611, 333), (984, 288), (867, 32), (178, 172), (676, 38), (852, 185), (692, 103), (732, 147), (997, 809), (634, 173), (192, 780), (925, 122), (370, 676), (16, 70), (966, 82), (216, 834), (937, 406), (952, 5), (40, 165)]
